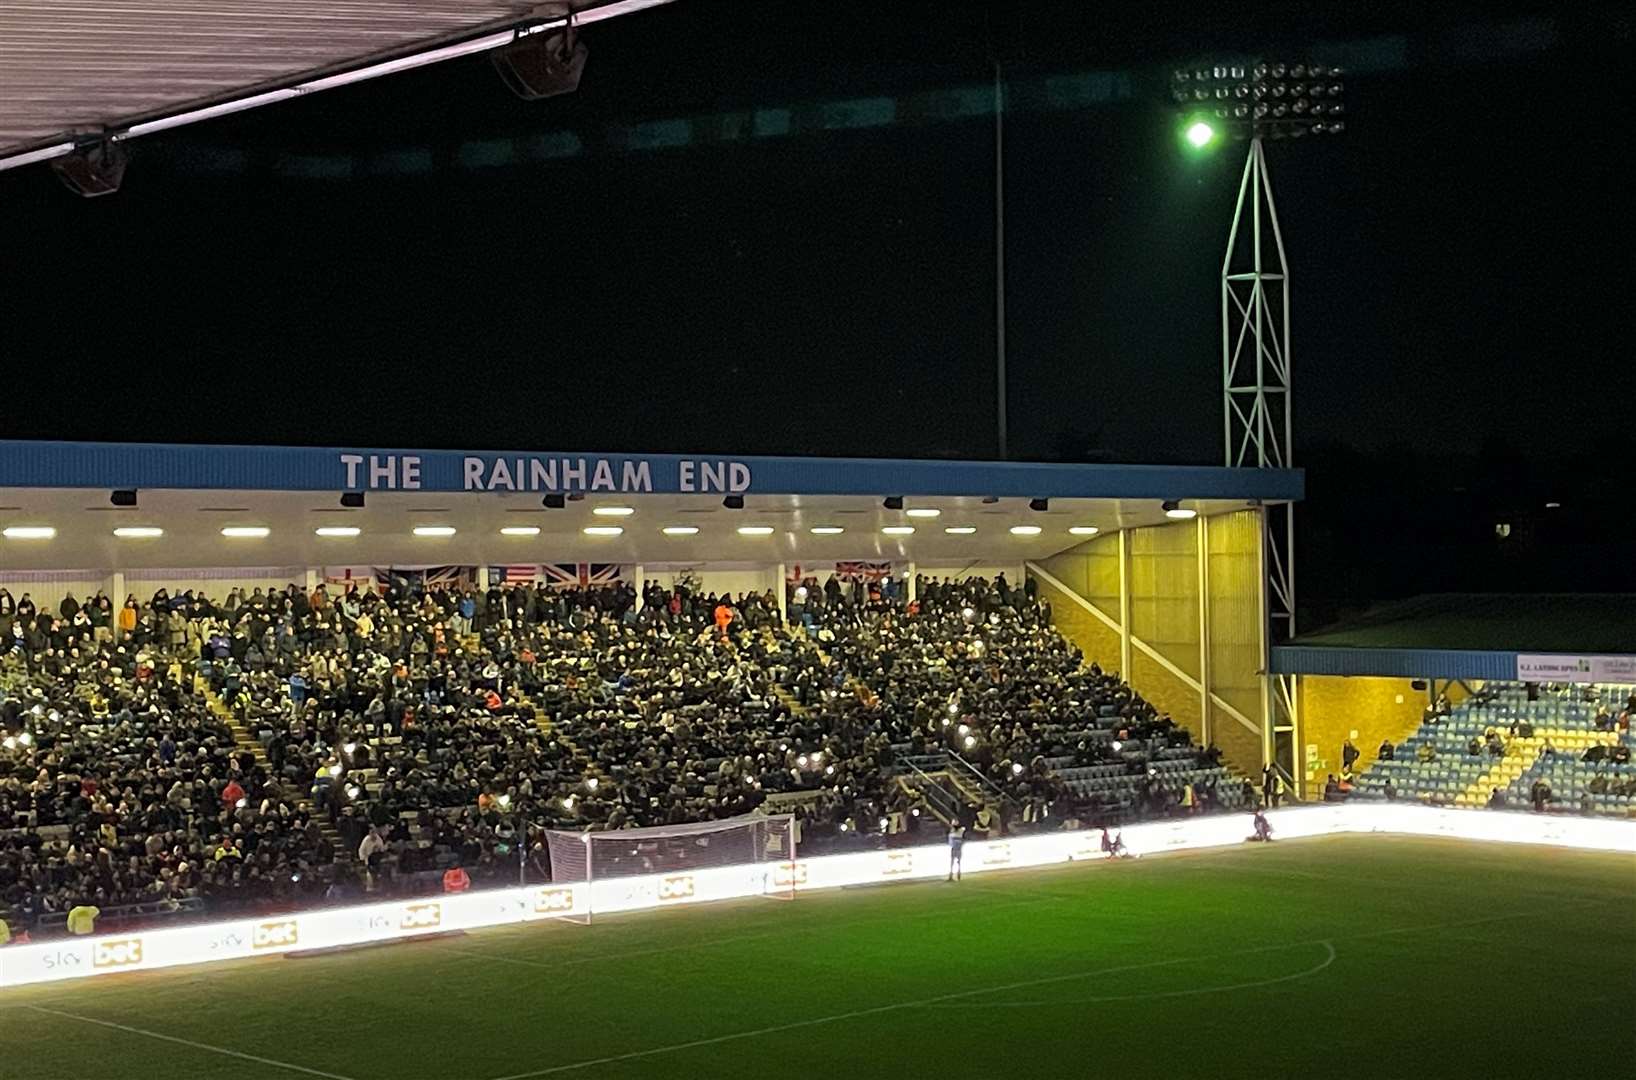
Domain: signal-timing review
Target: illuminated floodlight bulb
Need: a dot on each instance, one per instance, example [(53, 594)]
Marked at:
[(1200, 134)]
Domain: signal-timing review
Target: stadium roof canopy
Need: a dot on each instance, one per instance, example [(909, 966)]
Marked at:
[(1471, 635), (123, 68), (193, 492)]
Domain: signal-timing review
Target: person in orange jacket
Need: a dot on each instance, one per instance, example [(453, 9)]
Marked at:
[(724, 615), (455, 879)]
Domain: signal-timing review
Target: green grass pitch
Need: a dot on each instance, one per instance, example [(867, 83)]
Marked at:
[(1360, 956)]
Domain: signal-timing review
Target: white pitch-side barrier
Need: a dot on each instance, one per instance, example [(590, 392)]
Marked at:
[(200, 943)]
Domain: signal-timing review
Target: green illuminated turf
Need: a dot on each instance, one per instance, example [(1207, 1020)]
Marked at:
[(1361, 956)]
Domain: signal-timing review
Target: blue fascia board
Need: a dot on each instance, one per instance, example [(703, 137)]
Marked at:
[(287, 468), (1393, 663)]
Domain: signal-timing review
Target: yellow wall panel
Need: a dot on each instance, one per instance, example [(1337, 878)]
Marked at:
[(1090, 569), (1167, 693), (1240, 747), (1235, 610), (1095, 639), (1164, 592), (1333, 706)]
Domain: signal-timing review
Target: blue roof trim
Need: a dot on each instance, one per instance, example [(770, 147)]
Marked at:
[(1399, 663), (285, 468)]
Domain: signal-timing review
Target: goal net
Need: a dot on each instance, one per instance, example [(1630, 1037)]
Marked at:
[(764, 845)]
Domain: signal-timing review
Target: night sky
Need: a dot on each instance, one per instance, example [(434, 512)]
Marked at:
[(427, 261)]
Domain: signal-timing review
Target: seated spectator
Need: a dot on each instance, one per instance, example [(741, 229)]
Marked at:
[(1387, 750), (1496, 800), (1539, 795)]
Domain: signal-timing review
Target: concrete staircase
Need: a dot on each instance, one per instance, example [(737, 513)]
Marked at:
[(246, 742)]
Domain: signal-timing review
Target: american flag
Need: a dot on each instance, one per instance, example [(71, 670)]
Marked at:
[(514, 575), (569, 575)]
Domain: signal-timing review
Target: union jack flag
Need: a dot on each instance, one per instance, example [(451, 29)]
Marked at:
[(868, 571), (581, 575)]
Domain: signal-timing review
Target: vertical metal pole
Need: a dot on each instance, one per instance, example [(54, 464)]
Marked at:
[(639, 574), (1202, 539), (999, 260), (118, 600), (1124, 605)]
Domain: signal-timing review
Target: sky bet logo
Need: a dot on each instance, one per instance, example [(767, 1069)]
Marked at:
[(676, 888), (274, 935), (118, 952), (550, 901), (788, 874), (421, 916)]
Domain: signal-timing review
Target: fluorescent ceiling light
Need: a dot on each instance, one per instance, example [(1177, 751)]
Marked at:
[(826, 530), (246, 532), (1083, 530), (923, 511), (29, 532), (434, 530), (138, 532), (1181, 514), (603, 530), (680, 530), (898, 530), (755, 530), (520, 530), (1025, 530), (338, 530), (614, 511), (960, 530)]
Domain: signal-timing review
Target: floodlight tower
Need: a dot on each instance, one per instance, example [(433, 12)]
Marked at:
[(1261, 102)]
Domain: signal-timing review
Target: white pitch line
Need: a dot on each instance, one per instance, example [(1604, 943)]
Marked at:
[(876, 1010), (188, 1042), (1193, 992), (554, 965)]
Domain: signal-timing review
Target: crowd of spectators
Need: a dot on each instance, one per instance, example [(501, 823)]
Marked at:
[(282, 747)]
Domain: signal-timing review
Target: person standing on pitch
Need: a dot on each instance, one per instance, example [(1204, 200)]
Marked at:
[(957, 840)]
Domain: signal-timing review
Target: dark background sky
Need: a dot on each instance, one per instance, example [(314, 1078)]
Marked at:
[(385, 264)]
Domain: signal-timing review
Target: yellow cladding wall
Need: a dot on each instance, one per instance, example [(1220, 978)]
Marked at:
[(1233, 542), (1333, 706), (1091, 569), (1167, 693), (1164, 592), (1095, 638), (1240, 747)]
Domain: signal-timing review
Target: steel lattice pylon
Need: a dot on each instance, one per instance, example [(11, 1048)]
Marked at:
[(1255, 371)]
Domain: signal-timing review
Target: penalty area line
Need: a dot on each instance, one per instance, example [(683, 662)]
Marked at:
[(188, 1042), (1050, 980)]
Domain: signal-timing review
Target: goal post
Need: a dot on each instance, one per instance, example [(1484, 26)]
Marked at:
[(677, 857)]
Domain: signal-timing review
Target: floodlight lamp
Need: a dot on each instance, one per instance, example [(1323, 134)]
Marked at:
[(1199, 134)]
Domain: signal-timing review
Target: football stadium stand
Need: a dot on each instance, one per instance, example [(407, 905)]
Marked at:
[(262, 751), (1561, 748)]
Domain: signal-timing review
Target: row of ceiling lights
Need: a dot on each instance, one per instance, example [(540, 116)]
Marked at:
[(256, 532), (148, 532)]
